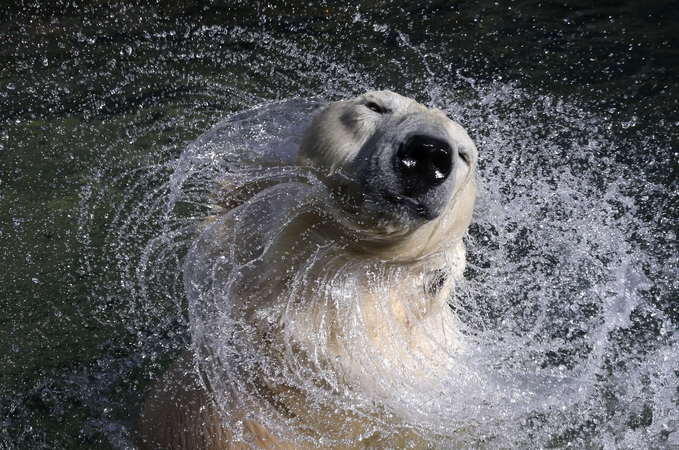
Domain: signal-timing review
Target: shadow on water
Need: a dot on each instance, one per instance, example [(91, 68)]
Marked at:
[(573, 253)]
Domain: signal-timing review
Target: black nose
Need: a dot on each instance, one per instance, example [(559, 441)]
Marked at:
[(424, 162)]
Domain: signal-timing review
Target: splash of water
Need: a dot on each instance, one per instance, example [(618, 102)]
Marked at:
[(554, 282), (556, 339)]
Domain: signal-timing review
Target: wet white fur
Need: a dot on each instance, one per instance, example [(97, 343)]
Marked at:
[(339, 298)]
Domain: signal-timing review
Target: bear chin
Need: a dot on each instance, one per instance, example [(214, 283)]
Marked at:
[(319, 295)]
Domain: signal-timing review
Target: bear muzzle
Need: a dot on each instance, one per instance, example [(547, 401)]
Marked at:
[(423, 162)]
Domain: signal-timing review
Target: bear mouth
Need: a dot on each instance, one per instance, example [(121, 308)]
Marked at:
[(412, 207)]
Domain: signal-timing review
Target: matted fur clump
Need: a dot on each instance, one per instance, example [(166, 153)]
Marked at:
[(319, 293)]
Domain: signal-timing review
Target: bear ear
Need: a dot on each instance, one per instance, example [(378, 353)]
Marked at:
[(435, 281)]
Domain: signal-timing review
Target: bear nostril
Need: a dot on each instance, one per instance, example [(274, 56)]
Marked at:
[(424, 162)]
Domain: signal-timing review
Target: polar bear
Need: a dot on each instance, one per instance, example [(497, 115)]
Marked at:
[(319, 296)]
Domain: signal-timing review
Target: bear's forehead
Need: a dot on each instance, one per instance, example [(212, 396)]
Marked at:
[(391, 100), (404, 106)]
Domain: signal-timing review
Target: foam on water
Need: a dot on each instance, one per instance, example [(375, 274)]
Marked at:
[(556, 283)]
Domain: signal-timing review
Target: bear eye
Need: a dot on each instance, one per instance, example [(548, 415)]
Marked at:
[(465, 157), (374, 106)]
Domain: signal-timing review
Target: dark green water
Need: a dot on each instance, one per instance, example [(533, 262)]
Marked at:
[(98, 100)]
